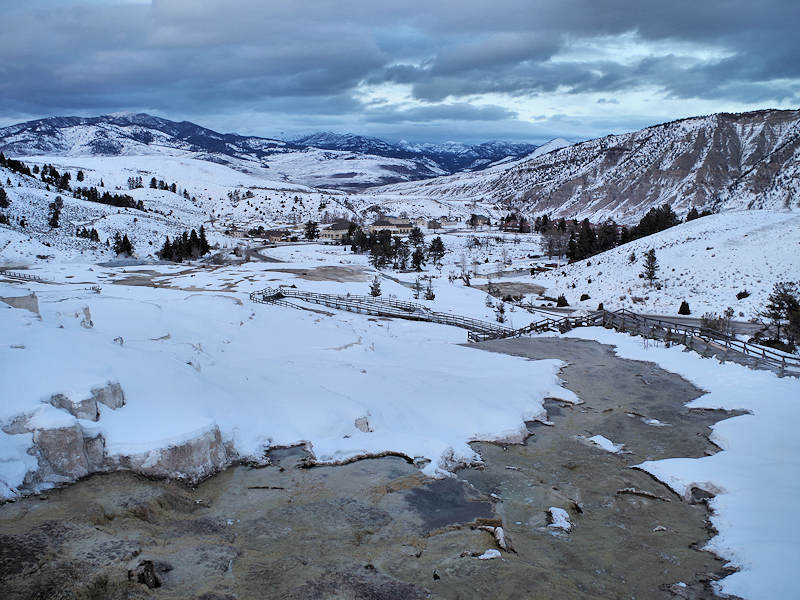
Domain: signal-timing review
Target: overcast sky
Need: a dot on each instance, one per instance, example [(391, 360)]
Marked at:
[(467, 70)]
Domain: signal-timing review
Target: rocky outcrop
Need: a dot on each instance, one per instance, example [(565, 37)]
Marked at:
[(69, 452), (28, 302), (190, 461), (110, 394)]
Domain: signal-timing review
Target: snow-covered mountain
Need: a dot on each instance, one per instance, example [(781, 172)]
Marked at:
[(719, 162), (450, 157), (129, 134), (321, 160)]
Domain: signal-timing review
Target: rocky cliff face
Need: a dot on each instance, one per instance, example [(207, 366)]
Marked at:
[(719, 162)]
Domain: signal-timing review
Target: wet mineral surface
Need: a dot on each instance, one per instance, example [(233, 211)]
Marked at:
[(378, 529)]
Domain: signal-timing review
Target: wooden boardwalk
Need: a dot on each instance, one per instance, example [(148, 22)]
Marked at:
[(703, 340)]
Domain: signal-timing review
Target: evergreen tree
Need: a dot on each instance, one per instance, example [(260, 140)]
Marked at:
[(375, 287), (436, 250), (692, 215), (650, 266), (79, 176), (55, 212), (417, 287), (4, 201), (401, 253), (416, 238), (781, 303), (684, 308), (166, 250), (204, 247), (418, 258), (572, 247), (500, 312), (194, 244), (312, 230), (153, 183)]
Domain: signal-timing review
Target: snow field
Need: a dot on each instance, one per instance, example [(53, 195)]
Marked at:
[(191, 361)]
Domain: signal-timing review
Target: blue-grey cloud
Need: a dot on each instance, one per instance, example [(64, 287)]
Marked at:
[(306, 62)]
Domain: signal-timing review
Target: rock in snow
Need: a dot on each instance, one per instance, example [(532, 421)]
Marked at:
[(559, 519)]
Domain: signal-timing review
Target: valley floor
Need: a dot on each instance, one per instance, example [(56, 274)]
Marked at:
[(210, 379)]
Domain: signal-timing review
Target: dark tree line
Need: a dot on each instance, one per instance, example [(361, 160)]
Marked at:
[(15, 165), (50, 175), (385, 249), (586, 239), (121, 200), (693, 214), (187, 246)]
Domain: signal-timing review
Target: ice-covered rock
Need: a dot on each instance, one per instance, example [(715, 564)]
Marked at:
[(559, 519)]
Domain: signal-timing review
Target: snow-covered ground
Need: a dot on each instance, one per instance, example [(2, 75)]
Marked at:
[(705, 262), (756, 476), (194, 355), (190, 361)]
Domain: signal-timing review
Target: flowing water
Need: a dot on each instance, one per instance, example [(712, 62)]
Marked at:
[(378, 529)]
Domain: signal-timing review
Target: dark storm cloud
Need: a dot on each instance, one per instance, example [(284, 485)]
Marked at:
[(291, 61)]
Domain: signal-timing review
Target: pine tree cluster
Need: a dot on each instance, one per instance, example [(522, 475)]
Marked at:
[(50, 175), (187, 246), (134, 183), (162, 185), (586, 240), (15, 165), (89, 234), (385, 249), (121, 200), (122, 245)]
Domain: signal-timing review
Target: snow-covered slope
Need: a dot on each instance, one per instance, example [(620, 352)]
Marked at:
[(720, 162), (705, 262)]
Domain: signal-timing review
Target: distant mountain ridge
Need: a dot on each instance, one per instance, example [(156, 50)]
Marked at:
[(131, 134), (452, 157), (719, 162)]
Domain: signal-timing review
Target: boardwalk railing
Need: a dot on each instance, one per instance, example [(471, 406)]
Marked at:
[(24, 276), (383, 307), (701, 339)]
